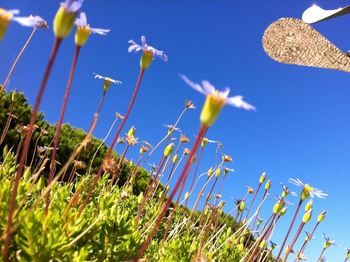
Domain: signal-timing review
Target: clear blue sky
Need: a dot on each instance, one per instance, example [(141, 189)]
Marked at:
[(301, 128)]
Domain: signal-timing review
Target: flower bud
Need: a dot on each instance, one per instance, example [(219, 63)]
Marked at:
[(240, 247), (278, 206), (226, 158), (262, 178), (268, 185), (27, 174), (307, 216), (143, 149), (186, 151), (187, 195), (321, 217), (175, 158), (263, 244), (210, 172), (241, 206), (169, 150), (283, 212), (184, 139), (309, 205), (140, 198), (131, 132), (250, 190), (41, 183), (218, 172)]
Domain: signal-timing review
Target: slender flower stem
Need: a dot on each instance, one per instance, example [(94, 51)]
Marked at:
[(289, 229), (110, 149), (320, 257), (194, 174), (49, 66), (6, 128), (200, 135), (93, 122), (302, 249), (17, 59), (297, 234), (166, 137), (59, 125), (251, 204)]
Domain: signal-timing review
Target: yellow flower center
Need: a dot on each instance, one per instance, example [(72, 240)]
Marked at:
[(308, 188), (82, 35)]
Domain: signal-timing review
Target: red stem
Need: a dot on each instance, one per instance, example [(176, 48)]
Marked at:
[(26, 146), (251, 204), (59, 125), (310, 236), (297, 234), (201, 133), (110, 149), (290, 228)]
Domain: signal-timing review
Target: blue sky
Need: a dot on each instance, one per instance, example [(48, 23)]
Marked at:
[(301, 126)]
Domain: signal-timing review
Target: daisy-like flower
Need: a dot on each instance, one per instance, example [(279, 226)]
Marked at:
[(171, 128), (307, 190), (6, 16), (148, 52), (215, 100), (107, 81), (65, 16), (32, 21), (84, 30)]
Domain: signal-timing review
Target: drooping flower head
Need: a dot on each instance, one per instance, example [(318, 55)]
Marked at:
[(148, 52), (107, 81), (307, 190), (9, 15), (84, 30), (65, 16), (215, 100)]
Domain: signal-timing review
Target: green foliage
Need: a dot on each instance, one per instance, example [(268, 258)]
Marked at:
[(15, 104)]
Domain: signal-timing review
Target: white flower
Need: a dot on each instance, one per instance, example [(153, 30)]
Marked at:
[(146, 48), (208, 89), (30, 21), (313, 191), (81, 22), (107, 79)]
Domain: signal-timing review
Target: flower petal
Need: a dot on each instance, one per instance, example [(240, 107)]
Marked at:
[(207, 87), (100, 31), (237, 101), (195, 86)]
